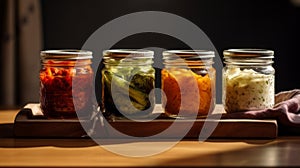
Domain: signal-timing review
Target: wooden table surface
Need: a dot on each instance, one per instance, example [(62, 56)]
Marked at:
[(15, 152)]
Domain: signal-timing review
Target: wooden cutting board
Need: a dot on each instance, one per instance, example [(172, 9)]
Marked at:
[(27, 125)]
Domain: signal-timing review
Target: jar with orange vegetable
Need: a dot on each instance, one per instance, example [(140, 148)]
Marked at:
[(188, 83), (66, 82)]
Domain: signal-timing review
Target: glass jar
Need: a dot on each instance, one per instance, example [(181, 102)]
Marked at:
[(127, 80), (66, 82), (188, 83), (248, 80)]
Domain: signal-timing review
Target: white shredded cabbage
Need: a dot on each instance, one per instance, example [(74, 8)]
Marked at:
[(247, 90)]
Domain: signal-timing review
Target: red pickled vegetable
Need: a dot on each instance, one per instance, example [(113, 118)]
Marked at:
[(64, 87)]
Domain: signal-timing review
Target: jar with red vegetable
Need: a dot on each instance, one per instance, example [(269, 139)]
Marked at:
[(66, 83)]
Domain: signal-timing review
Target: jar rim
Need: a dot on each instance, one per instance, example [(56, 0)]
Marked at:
[(188, 54), (66, 54), (249, 52), (131, 53)]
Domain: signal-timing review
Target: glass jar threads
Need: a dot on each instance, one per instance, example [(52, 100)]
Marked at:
[(66, 83), (188, 83), (127, 80), (248, 79)]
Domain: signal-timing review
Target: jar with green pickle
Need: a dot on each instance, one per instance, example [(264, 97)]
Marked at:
[(127, 81)]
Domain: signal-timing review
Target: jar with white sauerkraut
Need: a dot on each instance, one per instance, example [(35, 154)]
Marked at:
[(248, 80)]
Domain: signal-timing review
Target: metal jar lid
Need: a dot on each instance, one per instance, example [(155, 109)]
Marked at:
[(188, 54), (66, 54), (128, 53), (248, 53)]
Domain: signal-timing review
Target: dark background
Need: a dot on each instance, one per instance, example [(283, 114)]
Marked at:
[(270, 24)]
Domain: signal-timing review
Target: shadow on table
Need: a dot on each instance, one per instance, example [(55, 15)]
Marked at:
[(274, 154)]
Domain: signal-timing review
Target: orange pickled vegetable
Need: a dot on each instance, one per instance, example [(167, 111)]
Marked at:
[(192, 86)]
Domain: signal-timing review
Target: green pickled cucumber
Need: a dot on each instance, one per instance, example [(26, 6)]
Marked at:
[(140, 99)]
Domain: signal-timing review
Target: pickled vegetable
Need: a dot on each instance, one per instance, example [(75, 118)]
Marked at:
[(247, 90), (63, 86), (171, 78), (126, 91)]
